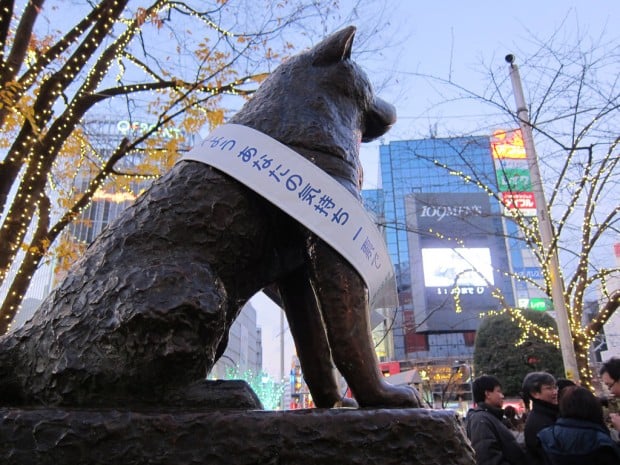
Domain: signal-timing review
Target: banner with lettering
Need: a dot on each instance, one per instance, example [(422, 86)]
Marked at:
[(308, 194), (513, 174)]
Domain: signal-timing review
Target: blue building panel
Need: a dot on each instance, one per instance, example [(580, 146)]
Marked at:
[(432, 213)]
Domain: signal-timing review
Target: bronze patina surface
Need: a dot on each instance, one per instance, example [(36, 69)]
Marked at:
[(233, 437), (145, 313)]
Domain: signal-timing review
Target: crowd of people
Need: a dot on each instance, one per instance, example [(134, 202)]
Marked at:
[(565, 424)]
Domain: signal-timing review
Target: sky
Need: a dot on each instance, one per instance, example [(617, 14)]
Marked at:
[(449, 39), (457, 40)]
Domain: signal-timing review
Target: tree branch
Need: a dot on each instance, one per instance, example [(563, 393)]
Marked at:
[(596, 325)]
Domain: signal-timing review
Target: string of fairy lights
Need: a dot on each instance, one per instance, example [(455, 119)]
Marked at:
[(582, 336), (529, 329), (37, 159)]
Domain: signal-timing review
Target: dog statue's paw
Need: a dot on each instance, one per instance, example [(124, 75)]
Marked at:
[(392, 397), (346, 402)]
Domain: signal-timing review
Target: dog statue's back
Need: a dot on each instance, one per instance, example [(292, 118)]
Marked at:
[(145, 313)]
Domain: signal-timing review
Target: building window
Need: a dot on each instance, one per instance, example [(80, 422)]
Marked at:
[(470, 338)]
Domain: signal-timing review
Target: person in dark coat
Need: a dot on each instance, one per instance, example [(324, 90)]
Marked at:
[(491, 439), (579, 436), (541, 389)]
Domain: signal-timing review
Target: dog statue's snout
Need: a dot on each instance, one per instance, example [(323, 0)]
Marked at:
[(379, 119)]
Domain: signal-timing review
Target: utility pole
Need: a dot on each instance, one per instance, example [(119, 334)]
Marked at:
[(546, 231), (282, 377)]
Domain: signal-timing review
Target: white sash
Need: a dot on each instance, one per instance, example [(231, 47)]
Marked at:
[(308, 194)]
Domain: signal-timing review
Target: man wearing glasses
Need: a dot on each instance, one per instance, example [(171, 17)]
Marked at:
[(610, 376), (541, 390)]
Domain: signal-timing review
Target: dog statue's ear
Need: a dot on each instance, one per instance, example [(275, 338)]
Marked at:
[(335, 48)]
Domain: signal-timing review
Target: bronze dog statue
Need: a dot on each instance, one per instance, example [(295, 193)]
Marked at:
[(145, 313)]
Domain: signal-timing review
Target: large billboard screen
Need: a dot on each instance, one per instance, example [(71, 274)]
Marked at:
[(455, 251), (462, 267)]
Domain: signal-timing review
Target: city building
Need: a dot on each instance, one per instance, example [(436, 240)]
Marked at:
[(297, 396), (244, 352), (451, 243)]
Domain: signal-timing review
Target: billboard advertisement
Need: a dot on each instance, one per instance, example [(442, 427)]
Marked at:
[(519, 202), (513, 179), (462, 266), (454, 247), (512, 173), (508, 145)]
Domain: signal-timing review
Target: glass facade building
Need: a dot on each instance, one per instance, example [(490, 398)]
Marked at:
[(446, 237)]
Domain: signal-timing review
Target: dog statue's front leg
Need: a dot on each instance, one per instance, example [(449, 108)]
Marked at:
[(308, 331), (343, 300)]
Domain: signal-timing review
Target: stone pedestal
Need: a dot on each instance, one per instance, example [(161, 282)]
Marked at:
[(319, 436)]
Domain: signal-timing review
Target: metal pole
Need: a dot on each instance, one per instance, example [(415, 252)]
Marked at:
[(282, 403), (281, 344), (546, 231)]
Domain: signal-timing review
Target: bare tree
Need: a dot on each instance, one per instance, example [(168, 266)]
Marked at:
[(574, 101)]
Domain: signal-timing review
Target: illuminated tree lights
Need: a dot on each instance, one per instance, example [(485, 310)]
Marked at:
[(583, 335), (592, 183), (268, 390), (509, 345)]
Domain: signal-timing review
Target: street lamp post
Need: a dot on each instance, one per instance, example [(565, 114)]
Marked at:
[(544, 223)]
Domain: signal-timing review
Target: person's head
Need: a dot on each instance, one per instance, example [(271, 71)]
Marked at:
[(510, 412), (488, 389), (539, 385), (562, 384), (610, 375), (579, 403)]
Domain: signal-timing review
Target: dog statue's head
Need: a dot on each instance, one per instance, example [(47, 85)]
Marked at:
[(321, 104)]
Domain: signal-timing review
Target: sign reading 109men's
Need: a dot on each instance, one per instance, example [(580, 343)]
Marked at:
[(309, 195), (454, 249)]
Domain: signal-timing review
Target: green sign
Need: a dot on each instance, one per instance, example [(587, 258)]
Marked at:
[(514, 180), (540, 304)]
